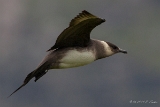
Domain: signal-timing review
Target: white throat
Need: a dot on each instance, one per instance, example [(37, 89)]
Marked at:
[(108, 49)]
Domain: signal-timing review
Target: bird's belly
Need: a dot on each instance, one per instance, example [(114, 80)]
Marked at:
[(74, 58)]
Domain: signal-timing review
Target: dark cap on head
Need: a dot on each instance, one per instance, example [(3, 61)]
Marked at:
[(116, 49)]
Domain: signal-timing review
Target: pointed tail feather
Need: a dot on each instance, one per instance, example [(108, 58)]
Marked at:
[(38, 73), (27, 79)]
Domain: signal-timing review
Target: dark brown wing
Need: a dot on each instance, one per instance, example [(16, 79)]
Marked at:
[(78, 32)]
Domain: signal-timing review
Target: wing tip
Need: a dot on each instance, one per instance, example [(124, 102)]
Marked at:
[(84, 15)]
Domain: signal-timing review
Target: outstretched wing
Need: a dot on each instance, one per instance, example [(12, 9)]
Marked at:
[(78, 32)]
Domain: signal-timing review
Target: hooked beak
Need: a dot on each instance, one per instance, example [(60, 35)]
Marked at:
[(122, 51)]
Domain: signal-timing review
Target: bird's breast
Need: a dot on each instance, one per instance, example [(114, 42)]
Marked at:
[(75, 58)]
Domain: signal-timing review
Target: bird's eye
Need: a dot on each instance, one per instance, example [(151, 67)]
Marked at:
[(114, 47)]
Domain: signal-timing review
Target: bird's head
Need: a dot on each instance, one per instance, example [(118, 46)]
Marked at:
[(113, 49)]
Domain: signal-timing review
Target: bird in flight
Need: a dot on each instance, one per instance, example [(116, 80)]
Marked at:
[(74, 47)]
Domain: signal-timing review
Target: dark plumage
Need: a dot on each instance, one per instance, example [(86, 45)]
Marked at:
[(74, 47)]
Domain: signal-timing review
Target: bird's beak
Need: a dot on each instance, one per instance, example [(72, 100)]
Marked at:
[(122, 51)]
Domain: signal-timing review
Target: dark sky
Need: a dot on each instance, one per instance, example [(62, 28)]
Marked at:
[(29, 28)]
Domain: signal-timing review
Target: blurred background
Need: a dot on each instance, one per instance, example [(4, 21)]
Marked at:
[(29, 28)]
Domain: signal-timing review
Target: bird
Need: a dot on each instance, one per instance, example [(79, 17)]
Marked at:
[(74, 47)]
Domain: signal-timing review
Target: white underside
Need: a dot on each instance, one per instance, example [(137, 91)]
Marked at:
[(75, 58)]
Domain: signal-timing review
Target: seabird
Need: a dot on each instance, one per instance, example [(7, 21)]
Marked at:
[(74, 47)]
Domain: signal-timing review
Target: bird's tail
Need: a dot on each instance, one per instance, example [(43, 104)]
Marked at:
[(27, 79), (38, 73)]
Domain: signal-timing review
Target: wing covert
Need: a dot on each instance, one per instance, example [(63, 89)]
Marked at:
[(78, 32)]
